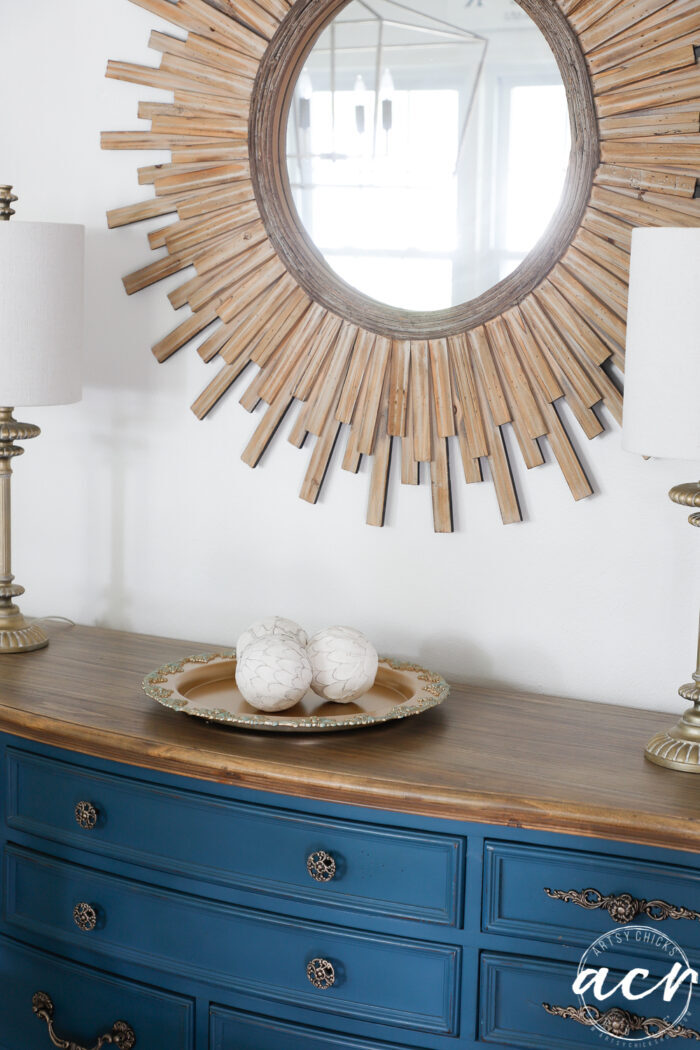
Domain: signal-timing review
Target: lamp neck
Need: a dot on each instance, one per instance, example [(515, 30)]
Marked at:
[(688, 496), (7, 198), (11, 431)]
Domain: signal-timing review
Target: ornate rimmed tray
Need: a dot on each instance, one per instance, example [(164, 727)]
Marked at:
[(205, 687)]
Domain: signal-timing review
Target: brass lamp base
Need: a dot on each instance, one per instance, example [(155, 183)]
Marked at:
[(18, 635), (679, 748)]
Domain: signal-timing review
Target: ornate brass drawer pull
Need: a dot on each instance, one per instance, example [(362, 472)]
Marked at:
[(121, 1035), (321, 866), (623, 907), (86, 815), (321, 973), (85, 916), (621, 1023)]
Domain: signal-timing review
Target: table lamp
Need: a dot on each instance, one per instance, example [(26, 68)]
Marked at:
[(662, 406), (41, 342)]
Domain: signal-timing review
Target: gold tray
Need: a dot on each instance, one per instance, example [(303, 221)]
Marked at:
[(205, 687)]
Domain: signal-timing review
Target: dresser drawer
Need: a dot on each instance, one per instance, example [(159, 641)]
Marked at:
[(235, 1030), (388, 980), (516, 902), (86, 1003), (380, 871), (513, 990)]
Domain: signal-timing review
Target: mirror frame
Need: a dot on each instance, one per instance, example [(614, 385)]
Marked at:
[(480, 380)]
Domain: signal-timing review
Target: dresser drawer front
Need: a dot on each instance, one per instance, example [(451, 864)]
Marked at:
[(513, 990), (516, 903), (387, 980), (235, 1030), (86, 1004), (381, 871)]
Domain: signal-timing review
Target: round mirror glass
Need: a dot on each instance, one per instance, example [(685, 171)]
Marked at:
[(427, 147)]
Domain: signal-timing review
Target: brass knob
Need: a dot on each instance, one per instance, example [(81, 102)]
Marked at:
[(321, 866), (321, 973), (85, 917), (86, 815)]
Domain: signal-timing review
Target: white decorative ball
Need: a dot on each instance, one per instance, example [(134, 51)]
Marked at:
[(273, 673), (344, 664), (275, 626)]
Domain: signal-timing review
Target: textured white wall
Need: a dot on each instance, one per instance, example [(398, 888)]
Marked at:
[(130, 513)]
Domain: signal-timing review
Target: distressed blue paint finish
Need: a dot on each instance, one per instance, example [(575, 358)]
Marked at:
[(515, 905), (513, 989), (256, 952), (85, 1002), (380, 871), (237, 1030), (440, 932)]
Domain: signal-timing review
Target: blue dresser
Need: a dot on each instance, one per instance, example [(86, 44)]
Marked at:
[(170, 885)]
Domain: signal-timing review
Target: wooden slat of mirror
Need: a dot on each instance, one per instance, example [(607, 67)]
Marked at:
[(323, 450), (498, 462), (458, 386), (299, 431), (440, 481), (410, 467), (470, 408), (381, 463), (565, 453), (532, 355), (612, 258), (291, 319), (289, 352), (206, 51), (352, 458), (398, 389), (323, 341), (522, 406), (378, 369), (485, 368), (471, 464), (329, 396), (362, 351), (442, 409), (420, 400)]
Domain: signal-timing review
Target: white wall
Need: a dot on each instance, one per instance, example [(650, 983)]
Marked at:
[(130, 513)]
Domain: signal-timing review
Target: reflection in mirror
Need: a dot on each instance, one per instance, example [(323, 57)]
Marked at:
[(428, 146)]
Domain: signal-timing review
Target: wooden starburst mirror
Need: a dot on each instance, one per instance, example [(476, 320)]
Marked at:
[(449, 382)]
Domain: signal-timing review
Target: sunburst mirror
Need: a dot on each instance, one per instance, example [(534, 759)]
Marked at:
[(410, 222)]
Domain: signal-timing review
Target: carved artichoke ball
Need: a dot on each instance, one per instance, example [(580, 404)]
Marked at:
[(344, 664), (271, 626), (274, 673)]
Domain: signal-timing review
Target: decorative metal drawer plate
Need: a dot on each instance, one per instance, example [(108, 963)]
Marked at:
[(392, 981), (570, 896), (390, 872), (205, 687)]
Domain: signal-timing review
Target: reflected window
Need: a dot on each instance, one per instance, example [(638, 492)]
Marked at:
[(428, 147)]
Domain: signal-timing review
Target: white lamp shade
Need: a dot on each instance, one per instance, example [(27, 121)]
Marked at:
[(41, 313), (662, 371)]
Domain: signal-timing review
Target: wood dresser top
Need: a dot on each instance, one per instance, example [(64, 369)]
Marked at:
[(486, 755)]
